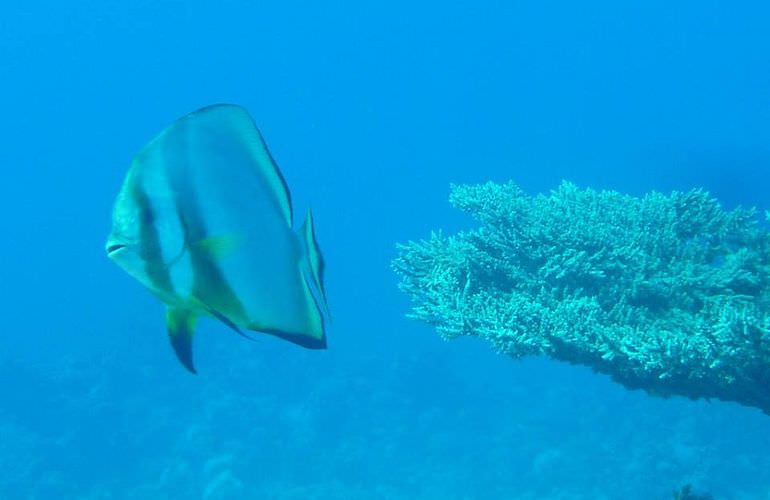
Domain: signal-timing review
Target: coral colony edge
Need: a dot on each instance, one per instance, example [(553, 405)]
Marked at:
[(666, 293)]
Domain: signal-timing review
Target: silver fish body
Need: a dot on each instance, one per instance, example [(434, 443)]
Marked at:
[(204, 221)]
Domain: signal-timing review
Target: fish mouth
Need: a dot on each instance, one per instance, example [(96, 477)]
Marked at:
[(115, 247)]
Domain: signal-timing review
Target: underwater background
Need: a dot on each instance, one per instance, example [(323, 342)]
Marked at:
[(371, 109)]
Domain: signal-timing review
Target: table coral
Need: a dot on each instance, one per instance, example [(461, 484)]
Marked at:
[(667, 293)]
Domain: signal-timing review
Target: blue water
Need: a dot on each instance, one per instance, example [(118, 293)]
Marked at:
[(372, 109)]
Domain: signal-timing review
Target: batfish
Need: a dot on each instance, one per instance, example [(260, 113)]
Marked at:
[(204, 221)]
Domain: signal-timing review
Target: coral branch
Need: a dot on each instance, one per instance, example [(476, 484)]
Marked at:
[(670, 294)]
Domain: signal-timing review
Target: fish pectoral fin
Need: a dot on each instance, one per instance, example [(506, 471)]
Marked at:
[(180, 324), (219, 246)]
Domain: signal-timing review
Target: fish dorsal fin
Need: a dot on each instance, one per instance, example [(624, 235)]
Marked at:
[(314, 259), (235, 123)]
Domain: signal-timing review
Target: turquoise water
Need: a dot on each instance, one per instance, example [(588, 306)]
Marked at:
[(371, 110)]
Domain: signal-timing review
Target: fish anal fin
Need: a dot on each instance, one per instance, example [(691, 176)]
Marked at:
[(224, 319), (303, 340), (180, 324)]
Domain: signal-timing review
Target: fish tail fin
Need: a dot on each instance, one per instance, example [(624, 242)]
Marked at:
[(181, 326), (313, 260)]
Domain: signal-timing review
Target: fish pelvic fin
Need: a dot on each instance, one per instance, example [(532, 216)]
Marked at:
[(180, 323), (314, 265)]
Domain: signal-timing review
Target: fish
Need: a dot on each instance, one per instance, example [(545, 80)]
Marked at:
[(204, 220)]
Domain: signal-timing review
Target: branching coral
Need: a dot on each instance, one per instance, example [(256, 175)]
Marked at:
[(670, 294)]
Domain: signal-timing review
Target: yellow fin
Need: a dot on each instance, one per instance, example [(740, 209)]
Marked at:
[(220, 246)]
